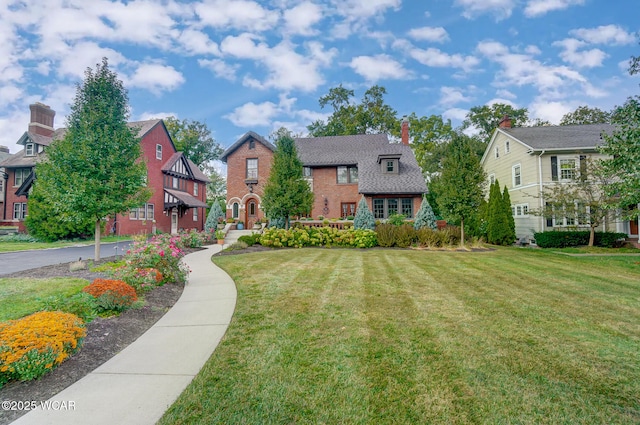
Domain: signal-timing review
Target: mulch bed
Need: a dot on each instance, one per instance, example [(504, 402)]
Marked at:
[(105, 338)]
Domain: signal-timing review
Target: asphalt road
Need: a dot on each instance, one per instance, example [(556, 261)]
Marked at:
[(11, 262)]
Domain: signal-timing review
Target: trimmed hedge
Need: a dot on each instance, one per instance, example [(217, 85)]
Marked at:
[(318, 236), (564, 239)]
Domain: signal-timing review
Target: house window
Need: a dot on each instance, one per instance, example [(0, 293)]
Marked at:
[(306, 172), (384, 207), (252, 208), (175, 183), (252, 168), (145, 212), (492, 179), (252, 144), (348, 208), (347, 175), (21, 175), (568, 169), (497, 152), (19, 210), (158, 151), (235, 210), (517, 175), (29, 149), (1, 185), (195, 189), (195, 214), (507, 147), (520, 210)]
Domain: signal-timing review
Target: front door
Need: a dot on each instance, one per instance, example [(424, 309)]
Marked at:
[(251, 213), (174, 222), (633, 227)]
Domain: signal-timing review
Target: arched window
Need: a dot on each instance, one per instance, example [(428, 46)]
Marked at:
[(252, 208), (235, 213)]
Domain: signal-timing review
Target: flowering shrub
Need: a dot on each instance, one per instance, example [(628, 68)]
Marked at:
[(162, 252), (192, 239), (33, 345), (111, 295), (318, 236), (142, 280)]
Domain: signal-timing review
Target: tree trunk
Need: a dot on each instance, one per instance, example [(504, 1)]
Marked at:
[(462, 233), (96, 254), (592, 236)]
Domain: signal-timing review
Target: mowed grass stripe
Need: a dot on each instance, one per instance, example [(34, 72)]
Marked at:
[(398, 336)]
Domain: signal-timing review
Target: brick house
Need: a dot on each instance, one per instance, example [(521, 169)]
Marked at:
[(178, 199), (339, 169)]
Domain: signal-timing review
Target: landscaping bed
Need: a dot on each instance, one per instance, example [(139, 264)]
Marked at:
[(105, 337)]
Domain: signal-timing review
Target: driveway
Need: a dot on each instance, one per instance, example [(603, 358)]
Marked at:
[(11, 262)]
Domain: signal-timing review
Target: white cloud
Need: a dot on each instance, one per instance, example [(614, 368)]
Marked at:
[(75, 59), (549, 111), (505, 94), (501, 9), (541, 7), (605, 34), (455, 114), (437, 58), (580, 58), (252, 114), (435, 34), (156, 78), (379, 67), (236, 14), (220, 68), (450, 96), (155, 115), (197, 42), (357, 13), (10, 94), (301, 18)]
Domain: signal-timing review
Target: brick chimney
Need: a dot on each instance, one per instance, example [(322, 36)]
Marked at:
[(41, 119), (405, 131), (506, 122)]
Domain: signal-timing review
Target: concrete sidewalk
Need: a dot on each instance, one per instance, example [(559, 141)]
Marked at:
[(138, 384)]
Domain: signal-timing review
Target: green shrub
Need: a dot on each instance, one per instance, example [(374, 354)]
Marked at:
[(563, 239), (451, 235), (430, 238), (386, 234), (81, 304), (396, 219), (18, 237), (250, 240), (237, 246), (405, 236), (318, 236)]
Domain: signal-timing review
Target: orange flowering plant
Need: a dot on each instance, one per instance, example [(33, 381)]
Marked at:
[(111, 294), (33, 345)]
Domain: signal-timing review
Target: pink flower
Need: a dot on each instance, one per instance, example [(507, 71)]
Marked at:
[(161, 253)]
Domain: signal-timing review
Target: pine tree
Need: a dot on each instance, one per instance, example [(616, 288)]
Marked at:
[(95, 170), (364, 217), (500, 224), (425, 216), (510, 237), (286, 193), (215, 213)]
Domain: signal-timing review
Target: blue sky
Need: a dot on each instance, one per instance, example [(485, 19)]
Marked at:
[(240, 65)]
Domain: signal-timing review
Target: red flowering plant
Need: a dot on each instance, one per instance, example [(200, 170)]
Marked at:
[(111, 295)]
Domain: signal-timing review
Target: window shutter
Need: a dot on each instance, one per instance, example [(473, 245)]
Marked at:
[(583, 167), (554, 168)]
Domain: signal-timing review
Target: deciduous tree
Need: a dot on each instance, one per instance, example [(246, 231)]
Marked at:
[(286, 193), (586, 115), (95, 171), (487, 117), (194, 140), (460, 186)]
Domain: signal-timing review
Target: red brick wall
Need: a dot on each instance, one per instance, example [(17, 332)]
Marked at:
[(10, 191), (236, 176), (325, 186)]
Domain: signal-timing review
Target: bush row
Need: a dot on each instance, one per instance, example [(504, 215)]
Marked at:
[(318, 236), (405, 235), (563, 239)]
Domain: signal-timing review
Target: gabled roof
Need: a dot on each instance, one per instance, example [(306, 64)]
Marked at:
[(586, 137), (363, 150), (192, 168), (245, 137)]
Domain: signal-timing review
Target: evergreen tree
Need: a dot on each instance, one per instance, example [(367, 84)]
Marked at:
[(364, 217), (215, 213), (286, 193), (506, 205), (425, 216), (95, 170), (460, 185)]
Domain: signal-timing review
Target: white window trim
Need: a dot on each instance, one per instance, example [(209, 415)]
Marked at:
[(195, 214), (158, 151), (520, 210), (513, 175), (30, 149), (492, 178), (195, 189), (576, 163)]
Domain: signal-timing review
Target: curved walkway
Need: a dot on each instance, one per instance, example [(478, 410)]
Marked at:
[(138, 384)]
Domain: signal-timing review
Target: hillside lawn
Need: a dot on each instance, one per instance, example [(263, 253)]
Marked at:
[(345, 336)]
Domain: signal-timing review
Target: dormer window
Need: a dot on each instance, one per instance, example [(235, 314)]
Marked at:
[(389, 163), (30, 149)]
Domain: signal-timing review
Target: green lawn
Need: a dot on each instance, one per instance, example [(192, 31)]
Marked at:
[(20, 297), (341, 336), (12, 246)]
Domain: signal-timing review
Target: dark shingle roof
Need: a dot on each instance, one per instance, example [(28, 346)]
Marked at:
[(363, 150), (558, 137)]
